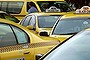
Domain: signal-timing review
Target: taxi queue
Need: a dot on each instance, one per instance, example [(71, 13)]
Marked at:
[(75, 47), (19, 43), (19, 8)]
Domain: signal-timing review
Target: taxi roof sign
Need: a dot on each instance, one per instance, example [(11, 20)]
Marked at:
[(84, 9), (53, 9)]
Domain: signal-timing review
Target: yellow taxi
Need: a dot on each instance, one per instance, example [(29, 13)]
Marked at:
[(19, 8), (40, 23), (18, 43), (71, 23), (7, 16)]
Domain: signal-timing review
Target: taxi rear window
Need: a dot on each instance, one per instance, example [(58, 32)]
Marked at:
[(47, 21), (71, 25), (11, 7), (63, 6)]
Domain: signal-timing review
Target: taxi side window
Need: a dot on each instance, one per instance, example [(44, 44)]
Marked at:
[(29, 7), (26, 21), (33, 21), (22, 37), (6, 36), (11, 35)]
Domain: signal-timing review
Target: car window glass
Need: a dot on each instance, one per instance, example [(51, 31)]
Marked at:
[(63, 6), (3, 6), (22, 37), (66, 26), (22, 21), (15, 7), (0, 5), (29, 7), (47, 21), (11, 7), (6, 36), (33, 21), (26, 21)]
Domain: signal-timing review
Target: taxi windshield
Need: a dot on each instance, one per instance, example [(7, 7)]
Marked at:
[(71, 25), (47, 21), (63, 6)]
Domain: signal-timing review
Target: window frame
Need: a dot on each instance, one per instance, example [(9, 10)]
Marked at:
[(25, 19), (28, 41)]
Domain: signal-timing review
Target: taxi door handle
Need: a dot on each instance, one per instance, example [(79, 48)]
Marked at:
[(26, 52)]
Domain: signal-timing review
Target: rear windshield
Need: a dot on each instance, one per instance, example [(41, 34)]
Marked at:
[(11, 7), (47, 21), (63, 6), (72, 25)]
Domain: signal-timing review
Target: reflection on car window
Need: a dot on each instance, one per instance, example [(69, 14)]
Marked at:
[(22, 37), (47, 21), (6, 36), (26, 21), (71, 25), (29, 20), (63, 6), (10, 35), (33, 21), (11, 7)]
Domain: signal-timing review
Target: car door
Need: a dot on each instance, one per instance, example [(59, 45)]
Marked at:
[(14, 44)]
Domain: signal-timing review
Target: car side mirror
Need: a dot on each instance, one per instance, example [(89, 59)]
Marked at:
[(30, 27), (44, 33)]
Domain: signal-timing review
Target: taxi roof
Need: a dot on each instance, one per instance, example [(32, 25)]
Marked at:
[(43, 14), (82, 12), (73, 15)]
